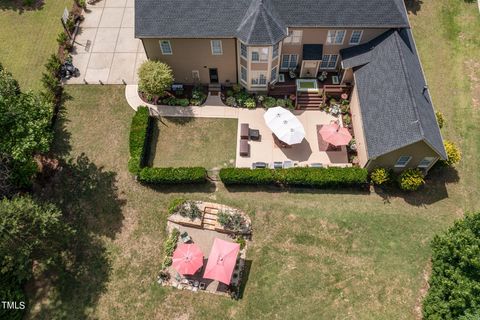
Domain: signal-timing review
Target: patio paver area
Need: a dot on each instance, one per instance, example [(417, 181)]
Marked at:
[(105, 48)]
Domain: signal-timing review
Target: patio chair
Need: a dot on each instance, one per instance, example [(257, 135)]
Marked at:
[(287, 164), (277, 165), (202, 286), (254, 134), (259, 165), (244, 148), (185, 237), (316, 165), (244, 131)]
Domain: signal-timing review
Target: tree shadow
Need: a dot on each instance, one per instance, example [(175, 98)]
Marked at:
[(176, 120), (21, 5), (245, 275), (61, 144), (434, 190), (88, 197), (413, 6)]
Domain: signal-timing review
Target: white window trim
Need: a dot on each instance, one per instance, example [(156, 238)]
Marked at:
[(432, 159), (246, 51), (169, 44), (329, 58), (276, 75), (273, 50), (253, 76), (290, 38), (289, 60), (246, 75), (402, 165), (334, 38), (221, 47), (258, 51), (359, 39)]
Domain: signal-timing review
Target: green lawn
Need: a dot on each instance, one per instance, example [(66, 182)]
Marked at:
[(187, 142), (315, 254), (28, 38)]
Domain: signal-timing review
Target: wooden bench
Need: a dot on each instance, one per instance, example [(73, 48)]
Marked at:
[(244, 131), (244, 148)]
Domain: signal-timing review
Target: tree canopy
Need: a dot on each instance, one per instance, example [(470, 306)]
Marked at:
[(155, 77), (455, 282)]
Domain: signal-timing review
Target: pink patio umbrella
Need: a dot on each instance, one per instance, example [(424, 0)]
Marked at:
[(221, 261), (336, 135), (187, 258)]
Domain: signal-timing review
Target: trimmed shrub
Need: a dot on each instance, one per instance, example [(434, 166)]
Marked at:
[(155, 77), (242, 97), (183, 102), (182, 175), (137, 140), (453, 152), (440, 119), (230, 101), (302, 177), (62, 38), (289, 104), (380, 176), (269, 102), (250, 103), (411, 179), (454, 291), (169, 247), (281, 103)]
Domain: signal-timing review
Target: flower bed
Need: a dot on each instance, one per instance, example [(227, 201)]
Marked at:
[(188, 96), (238, 97)]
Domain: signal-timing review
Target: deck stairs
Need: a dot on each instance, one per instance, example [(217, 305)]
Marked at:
[(210, 218), (309, 100)]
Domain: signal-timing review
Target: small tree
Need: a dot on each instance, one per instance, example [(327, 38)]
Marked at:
[(411, 180), (380, 176), (155, 77)]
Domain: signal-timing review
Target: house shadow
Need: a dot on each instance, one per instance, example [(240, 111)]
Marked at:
[(413, 6), (361, 190), (434, 190), (247, 267), (89, 200), (21, 6), (207, 187)]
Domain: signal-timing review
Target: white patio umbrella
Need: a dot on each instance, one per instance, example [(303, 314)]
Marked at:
[(284, 125)]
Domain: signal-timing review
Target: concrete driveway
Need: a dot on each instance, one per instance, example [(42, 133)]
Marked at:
[(105, 48)]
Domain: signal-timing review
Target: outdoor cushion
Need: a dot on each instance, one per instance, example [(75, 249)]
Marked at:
[(244, 131), (254, 134), (244, 148)]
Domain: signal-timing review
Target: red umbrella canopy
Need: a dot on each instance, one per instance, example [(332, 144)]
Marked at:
[(187, 258), (335, 134), (221, 261)]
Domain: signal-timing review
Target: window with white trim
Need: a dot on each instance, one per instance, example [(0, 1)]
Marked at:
[(275, 51), (294, 37), (335, 36), (255, 56), (259, 78), (195, 75), (426, 162), (273, 75), (243, 74), (289, 61), (356, 37), (259, 54), (329, 61), (403, 161), (243, 51), (166, 47), (216, 47)]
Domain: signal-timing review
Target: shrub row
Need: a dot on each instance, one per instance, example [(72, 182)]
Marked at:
[(138, 139), (182, 175), (302, 177)]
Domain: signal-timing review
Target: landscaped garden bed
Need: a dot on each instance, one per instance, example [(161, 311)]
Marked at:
[(188, 95), (236, 96)]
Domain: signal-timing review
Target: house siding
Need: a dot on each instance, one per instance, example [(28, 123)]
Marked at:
[(196, 54), (417, 151), (358, 128)]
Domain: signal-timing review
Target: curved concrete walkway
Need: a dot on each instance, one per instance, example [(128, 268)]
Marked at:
[(213, 107)]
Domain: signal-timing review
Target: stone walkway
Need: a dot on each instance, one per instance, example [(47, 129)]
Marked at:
[(213, 107), (105, 48)]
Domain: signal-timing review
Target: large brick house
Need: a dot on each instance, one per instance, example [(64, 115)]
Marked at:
[(367, 44)]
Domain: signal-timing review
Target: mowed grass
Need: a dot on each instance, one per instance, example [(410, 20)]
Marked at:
[(189, 142), (28, 38), (315, 254)]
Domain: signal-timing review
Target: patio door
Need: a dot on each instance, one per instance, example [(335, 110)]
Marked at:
[(309, 69), (213, 75)]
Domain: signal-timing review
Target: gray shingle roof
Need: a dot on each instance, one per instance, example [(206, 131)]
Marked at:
[(259, 21), (395, 106)]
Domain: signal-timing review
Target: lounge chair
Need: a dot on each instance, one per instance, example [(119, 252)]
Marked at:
[(244, 131), (202, 286), (244, 148)]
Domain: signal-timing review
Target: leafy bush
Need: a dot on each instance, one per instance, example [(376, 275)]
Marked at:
[(198, 94), (380, 176), (183, 102), (242, 97), (440, 119), (269, 102), (455, 283), (260, 98), (169, 247), (175, 204), (453, 153), (281, 103), (304, 177), (229, 93), (231, 221), (182, 175), (231, 101), (53, 65), (411, 179), (250, 103), (347, 120), (189, 209), (241, 241), (62, 38), (137, 140), (9, 87), (289, 104), (155, 77), (237, 88)]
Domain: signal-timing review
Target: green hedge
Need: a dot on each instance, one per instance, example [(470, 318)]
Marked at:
[(173, 175), (138, 139), (302, 177)]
